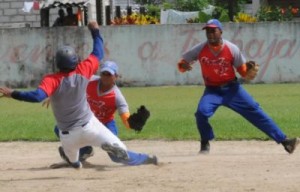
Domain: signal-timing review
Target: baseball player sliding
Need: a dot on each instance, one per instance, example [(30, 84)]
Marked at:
[(78, 127), (105, 98), (219, 59)]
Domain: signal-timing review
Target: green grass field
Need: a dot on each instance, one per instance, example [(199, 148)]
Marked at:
[(172, 114)]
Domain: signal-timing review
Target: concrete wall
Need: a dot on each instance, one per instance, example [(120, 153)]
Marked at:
[(11, 13), (147, 55)]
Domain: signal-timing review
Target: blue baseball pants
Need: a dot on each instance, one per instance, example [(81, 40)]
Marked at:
[(235, 97)]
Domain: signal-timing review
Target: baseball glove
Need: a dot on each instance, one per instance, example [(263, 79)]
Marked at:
[(252, 70), (183, 66), (137, 120)]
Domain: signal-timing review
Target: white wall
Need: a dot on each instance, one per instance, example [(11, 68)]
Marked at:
[(147, 55)]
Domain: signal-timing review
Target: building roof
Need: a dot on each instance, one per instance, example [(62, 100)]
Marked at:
[(59, 3)]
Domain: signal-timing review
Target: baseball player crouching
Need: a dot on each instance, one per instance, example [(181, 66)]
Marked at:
[(219, 59)]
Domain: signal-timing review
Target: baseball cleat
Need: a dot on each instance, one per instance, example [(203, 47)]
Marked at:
[(205, 147), (290, 144), (151, 160), (115, 150), (64, 164), (76, 165), (63, 155), (86, 153)]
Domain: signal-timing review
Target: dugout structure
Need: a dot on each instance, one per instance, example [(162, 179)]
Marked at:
[(79, 7), (101, 10)]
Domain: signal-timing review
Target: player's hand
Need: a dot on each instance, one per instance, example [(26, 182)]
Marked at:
[(46, 103), (184, 66), (6, 91), (252, 70), (93, 25)]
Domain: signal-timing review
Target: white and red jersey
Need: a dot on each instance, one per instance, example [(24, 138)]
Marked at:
[(67, 92), (104, 105), (217, 68)]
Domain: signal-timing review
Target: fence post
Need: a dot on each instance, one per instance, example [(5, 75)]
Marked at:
[(44, 17), (107, 15), (142, 10), (99, 12), (118, 11), (129, 10)]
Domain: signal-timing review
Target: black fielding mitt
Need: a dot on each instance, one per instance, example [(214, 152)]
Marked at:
[(138, 120)]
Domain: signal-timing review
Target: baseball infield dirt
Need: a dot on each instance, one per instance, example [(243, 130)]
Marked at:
[(232, 166)]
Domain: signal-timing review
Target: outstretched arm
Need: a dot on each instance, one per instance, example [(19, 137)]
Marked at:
[(37, 95), (98, 48)]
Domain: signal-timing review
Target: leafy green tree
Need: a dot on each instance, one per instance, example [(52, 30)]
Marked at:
[(190, 5), (224, 9)]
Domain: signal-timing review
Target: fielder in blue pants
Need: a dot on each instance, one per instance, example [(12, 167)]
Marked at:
[(236, 98), (219, 60)]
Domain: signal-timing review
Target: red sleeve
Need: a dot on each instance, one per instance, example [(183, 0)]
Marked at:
[(50, 83), (89, 66)]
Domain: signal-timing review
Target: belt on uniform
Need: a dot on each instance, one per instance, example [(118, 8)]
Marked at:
[(223, 85), (67, 132)]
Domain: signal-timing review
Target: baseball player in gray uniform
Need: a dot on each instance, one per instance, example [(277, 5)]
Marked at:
[(78, 127)]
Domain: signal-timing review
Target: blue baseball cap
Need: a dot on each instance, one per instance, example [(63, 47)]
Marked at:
[(110, 67), (213, 23)]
